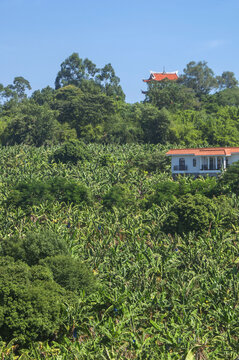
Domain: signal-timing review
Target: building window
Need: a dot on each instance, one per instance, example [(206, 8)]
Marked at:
[(181, 164), (194, 162)]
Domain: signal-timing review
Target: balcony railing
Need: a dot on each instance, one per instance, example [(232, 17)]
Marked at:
[(180, 167), (205, 167)]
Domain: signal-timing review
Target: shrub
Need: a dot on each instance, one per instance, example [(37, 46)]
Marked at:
[(32, 193), (29, 193), (230, 179), (34, 246), (169, 191), (30, 309), (71, 151), (152, 162), (117, 196), (69, 191), (70, 273), (191, 213)]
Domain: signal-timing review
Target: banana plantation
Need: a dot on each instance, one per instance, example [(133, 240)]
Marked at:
[(103, 256)]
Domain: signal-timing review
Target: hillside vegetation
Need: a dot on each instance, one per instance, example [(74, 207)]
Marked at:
[(102, 254), (88, 103), (128, 265)]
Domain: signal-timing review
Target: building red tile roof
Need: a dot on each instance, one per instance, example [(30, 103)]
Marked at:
[(223, 151), (156, 76)]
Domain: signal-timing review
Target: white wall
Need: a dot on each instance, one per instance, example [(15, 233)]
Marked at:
[(188, 163)]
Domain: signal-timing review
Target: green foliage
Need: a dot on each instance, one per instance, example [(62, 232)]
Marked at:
[(171, 191), (71, 151), (84, 74), (82, 109), (34, 246), (31, 124), (125, 125), (117, 196), (46, 95), (159, 296), (193, 128), (171, 95), (227, 80), (70, 273), (31, 309), (199, 77), (227, 97), (229, 180), (190, 213), (155, 124), (34, 192), (153, 161)]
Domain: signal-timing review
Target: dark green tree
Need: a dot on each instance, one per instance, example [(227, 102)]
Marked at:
[(155, 124), (84, 74), (171, 95), (29, 193), (117, 196), (31, 124), (31, 309), (124, 126), (191, 213), (199, 77), (74, 70), (227, 80), (20, 85), (70, 152), (230, 179), (227, 97), (46, 95), (81, 109)]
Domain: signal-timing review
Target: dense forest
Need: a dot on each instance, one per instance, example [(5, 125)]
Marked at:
[(88, 103), (102, 254)]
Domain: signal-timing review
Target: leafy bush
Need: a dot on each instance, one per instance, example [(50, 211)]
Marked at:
[(170, 191), (35, 192), (230, 179), (33, 298), (29, 193), (34, 247), (165, 191), (190, 213), (69, 191), (70, 273), (152, 162), (117, 196), (30, 309), (71, 151)]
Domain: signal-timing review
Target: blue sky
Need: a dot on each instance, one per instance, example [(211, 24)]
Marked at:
[(134, 36)]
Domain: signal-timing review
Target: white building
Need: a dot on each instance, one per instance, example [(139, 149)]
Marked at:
[(202, 161)]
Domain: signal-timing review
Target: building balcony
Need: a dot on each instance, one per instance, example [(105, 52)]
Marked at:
[(210, 168)]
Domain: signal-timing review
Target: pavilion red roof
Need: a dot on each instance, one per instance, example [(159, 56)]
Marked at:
[(223, 151), (156, 76)]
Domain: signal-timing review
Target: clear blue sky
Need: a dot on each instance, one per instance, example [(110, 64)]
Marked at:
[(135, 36)]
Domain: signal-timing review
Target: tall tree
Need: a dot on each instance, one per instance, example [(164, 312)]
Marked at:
[(20, 85), (227, 80), (85, 75), (171, 95), (155, 124), (31, 124), (46, 95), (83, 110), (199, 77), (74, 70)]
